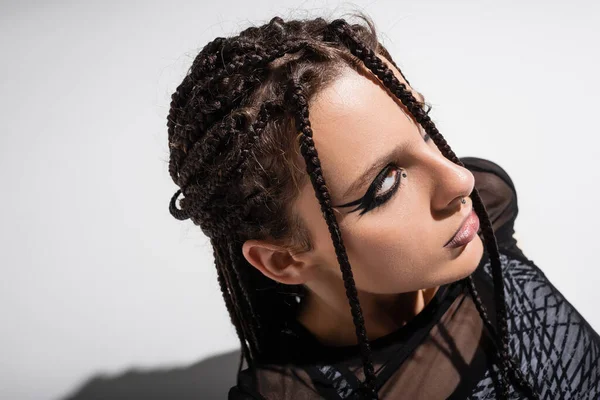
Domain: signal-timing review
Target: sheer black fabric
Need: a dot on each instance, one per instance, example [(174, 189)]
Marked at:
[(445, 351)]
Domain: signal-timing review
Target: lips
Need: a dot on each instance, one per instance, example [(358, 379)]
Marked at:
[(466, 232)]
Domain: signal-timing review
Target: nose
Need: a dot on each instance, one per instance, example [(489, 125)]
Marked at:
[(451, 182)]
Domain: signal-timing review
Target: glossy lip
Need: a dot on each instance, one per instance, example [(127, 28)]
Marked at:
[(462, 225)]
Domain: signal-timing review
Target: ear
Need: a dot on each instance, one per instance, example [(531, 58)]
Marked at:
[(277, 262)]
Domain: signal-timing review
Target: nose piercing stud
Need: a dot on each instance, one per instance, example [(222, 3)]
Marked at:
[(463, 201)]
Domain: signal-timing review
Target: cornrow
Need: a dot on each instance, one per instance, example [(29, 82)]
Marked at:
[(236, 164), (203, 62), (243, 62), (246, 61), (230, 119)]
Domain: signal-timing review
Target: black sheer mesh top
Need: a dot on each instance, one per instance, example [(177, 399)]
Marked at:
[(445, 351)]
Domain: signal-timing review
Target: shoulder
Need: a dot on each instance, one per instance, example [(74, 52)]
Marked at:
[(554, 343), (273, 381), (498, 193), (240, 393), (246, 387), (496, 189)]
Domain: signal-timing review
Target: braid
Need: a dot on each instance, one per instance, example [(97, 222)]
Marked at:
[(234, 166), (313, 167), (176, 151), (205, 150), (198, 197), (211, 148), (229, 303), (204, 61), (341, 29), (237, 310), (228, 128), (236, 264), (500, 302), (509, 364), (228, 125), (502, 379), (204, 111)]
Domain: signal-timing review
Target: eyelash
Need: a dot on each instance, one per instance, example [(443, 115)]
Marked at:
[(376, 201), (368, 202)]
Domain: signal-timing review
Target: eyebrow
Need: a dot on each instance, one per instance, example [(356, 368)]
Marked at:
[(370, 172)]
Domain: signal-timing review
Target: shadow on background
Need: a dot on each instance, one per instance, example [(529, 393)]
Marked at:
[(207, 379)]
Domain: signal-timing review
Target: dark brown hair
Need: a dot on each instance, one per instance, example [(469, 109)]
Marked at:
[(235, 125)]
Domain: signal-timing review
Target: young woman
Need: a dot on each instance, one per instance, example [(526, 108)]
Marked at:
[(357, 255)]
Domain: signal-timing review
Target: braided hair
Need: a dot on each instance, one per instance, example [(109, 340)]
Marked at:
[(235, 125)]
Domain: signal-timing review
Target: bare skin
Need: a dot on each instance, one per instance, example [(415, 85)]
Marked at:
[(396, 250)]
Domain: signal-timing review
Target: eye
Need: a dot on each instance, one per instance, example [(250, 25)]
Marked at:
[(384, 186), (388, 182)]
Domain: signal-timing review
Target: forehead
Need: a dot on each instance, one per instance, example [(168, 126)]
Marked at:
[(355, 121)]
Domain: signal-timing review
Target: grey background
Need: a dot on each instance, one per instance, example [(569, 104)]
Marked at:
[(97, 277)]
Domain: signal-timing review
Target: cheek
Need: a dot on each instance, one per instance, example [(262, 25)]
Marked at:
[(392, 254), (404, 254)]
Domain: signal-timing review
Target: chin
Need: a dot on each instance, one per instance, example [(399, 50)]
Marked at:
[(463, 262)]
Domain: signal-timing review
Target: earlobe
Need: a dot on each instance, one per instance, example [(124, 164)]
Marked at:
[(276, 262)]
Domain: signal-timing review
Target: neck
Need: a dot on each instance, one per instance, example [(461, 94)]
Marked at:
[(330, 320)]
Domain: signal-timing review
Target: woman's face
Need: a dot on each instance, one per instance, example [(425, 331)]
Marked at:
[(395, 240)]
